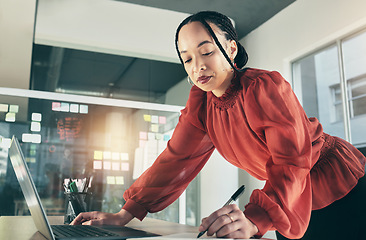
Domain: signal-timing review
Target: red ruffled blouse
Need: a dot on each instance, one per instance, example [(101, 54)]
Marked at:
[(259, 126)]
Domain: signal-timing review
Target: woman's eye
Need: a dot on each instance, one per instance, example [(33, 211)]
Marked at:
[(187, 61), (207, 54)]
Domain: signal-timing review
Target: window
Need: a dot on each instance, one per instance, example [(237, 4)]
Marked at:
[(356, 98), (331, 85), (317, 76), (337, 103)]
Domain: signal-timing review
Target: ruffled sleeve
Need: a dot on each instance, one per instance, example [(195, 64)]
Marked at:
[(187, 152), (277, 118)]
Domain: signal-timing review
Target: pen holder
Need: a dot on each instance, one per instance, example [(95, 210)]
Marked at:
[(75, 203)]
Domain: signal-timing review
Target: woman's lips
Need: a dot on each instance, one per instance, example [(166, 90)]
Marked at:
[(203, 79)]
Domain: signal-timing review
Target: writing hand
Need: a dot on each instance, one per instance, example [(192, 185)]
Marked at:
[(228, 222), (101, 218)]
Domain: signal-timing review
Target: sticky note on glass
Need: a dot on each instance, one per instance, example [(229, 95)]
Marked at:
[(107, 165), (37, 117), (10, 117), (147, 118), (124, 156), (111, 180), (162, 120), (4, 107), (74, 108), (56, 106), (154, 119), (107, 155), (83, 109), (143, 135), (14, 108), (151, 136), (97, 165), (125, 166), (155, 128), (35, 126), (166, 137), (158, 136), (65, 107), (98, 155), (120, 180), (115, 166)]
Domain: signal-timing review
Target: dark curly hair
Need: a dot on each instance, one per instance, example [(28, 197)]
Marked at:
[(225, 25)]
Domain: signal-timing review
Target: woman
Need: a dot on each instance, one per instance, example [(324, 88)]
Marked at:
[(252, 117)]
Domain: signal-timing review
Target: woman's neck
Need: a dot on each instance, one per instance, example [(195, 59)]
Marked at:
[(224, 86)]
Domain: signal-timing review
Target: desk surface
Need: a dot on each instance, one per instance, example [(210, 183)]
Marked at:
[(23, 228)]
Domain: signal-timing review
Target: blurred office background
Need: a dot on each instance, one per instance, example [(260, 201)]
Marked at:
[(94, 88)]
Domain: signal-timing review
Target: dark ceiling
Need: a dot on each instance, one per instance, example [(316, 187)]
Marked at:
[(98, 74)]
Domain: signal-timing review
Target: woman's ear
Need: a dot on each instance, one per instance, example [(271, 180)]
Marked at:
[(233, 49)]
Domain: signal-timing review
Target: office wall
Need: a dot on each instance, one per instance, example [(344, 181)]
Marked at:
[(16, 37)]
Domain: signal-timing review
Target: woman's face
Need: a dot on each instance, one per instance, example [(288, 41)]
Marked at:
[(203, 60)]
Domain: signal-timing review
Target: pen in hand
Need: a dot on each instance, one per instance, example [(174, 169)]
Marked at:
[(232, 199)]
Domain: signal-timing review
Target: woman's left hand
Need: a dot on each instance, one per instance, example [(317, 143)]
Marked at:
[(228, 222)]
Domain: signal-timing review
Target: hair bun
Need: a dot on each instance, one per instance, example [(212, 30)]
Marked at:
[(241, 58)]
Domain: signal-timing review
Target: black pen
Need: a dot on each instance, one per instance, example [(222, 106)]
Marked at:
[(232, 199)]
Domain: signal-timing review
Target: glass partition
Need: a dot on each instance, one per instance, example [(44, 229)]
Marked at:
[(67, 136)]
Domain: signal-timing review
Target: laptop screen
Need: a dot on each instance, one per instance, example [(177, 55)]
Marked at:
[(28, 188)]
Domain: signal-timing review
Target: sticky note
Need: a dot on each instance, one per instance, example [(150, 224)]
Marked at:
[(37, 117), (120, 180), (98, 155), (97, 165), (115, 166), (143, 135), (125, 166), (162, 120), (147, 118), (124, 157), (13, 108), (111, 180), (154, 119), (155, 128)]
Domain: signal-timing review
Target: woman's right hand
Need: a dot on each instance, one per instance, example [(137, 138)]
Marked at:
[(229, 222), (101, 218)]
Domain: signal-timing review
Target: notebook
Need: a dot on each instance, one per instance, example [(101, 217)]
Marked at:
[(60, 232)]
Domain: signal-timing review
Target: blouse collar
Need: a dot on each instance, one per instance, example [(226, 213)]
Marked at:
[(227, 100)]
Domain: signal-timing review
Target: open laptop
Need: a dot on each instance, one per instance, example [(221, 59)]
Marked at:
[(60, 232)]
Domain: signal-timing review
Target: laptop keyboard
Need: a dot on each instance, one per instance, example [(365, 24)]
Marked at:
[(61, 231)]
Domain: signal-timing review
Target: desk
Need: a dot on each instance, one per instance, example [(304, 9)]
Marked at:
[(23, 228)]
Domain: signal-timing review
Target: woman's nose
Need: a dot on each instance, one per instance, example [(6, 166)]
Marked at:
[(199, 65)]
